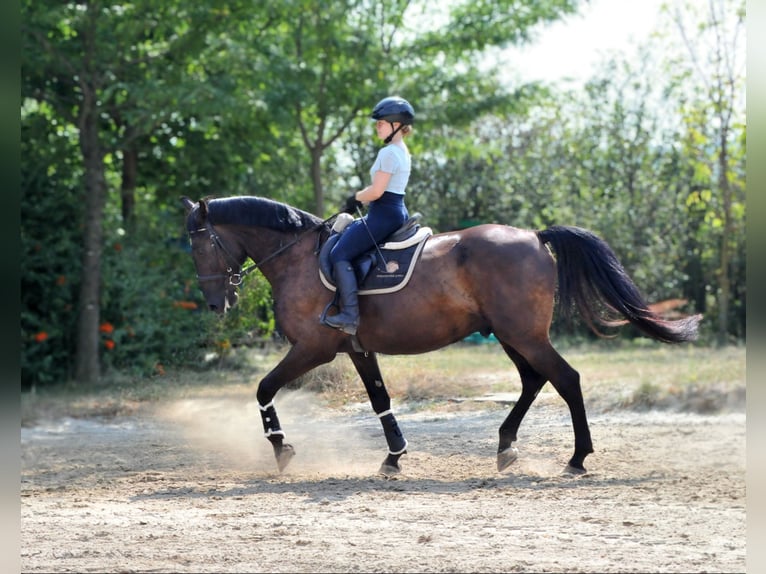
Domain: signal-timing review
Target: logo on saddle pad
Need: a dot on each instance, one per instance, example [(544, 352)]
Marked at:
[(383, 270), (392, 267)]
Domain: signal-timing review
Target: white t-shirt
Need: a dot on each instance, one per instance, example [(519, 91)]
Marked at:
[(395, 160)]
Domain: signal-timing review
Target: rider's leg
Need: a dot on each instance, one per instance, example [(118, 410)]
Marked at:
[(345, 281)]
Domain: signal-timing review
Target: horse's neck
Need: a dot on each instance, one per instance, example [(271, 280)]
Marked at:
[(261, 243), (277, 252)]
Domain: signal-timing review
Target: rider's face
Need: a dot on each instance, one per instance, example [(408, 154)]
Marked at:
[(384, 128)]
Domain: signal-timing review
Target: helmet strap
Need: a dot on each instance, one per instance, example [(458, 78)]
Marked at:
[(393, 133)]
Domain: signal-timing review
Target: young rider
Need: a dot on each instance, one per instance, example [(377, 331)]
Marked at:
[(386, 212)]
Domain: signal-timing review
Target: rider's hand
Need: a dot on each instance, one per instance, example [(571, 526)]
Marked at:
[(352, 204)]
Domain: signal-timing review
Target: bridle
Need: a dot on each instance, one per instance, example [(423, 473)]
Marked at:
[(235, 279), (215, 240)]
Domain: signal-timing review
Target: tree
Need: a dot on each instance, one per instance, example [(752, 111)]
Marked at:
[(116, 72), (713, 107), (73, 90), (329, 64)]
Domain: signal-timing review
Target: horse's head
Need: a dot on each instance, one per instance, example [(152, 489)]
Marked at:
[(218, 263)]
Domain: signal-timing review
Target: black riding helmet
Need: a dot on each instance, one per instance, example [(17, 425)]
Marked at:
[(394, 109)]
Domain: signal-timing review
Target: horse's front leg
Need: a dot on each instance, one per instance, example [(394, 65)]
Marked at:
[(367, 366), (283, 451), (297, 362)]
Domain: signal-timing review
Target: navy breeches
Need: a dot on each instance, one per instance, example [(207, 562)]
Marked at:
[(384, 216)]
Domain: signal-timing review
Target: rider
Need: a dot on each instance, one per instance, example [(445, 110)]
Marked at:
[(386, 212)]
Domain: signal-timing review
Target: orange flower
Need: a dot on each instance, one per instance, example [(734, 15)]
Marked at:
[(159, 368), (61, 280), (185, 304), (41, 336), (106, 328), (109, 344), (118, 247)]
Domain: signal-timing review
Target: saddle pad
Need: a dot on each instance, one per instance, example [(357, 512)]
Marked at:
[(395, 273)]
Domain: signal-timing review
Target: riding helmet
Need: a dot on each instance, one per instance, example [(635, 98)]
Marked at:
[(394, 109)]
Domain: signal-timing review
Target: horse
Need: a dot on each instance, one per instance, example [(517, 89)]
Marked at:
[(490, 278)]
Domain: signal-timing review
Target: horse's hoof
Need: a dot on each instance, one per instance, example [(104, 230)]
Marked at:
[(574, 470), (506, 457), (390, 466), (286, 454), (388, 470)]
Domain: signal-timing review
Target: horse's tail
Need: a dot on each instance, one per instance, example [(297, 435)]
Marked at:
[(592, 280)]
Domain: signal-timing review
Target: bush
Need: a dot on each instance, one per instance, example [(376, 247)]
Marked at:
[(155, 310), (51, 239)]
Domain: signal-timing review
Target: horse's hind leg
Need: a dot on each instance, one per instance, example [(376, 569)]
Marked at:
[(367, 366), (546, 361), (537, 363), (531, 383)]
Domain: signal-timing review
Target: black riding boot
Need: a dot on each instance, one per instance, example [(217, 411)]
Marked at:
[(345, 281)]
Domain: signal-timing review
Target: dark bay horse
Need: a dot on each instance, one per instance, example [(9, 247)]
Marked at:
[(490, 278)]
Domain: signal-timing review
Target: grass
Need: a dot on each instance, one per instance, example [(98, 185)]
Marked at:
[(701, 379)]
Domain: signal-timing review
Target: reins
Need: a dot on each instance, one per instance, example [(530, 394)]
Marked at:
[(236, 278)]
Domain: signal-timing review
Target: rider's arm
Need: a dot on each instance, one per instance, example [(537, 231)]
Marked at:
[(372, 192)]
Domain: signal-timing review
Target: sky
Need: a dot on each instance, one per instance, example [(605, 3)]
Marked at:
[(572, 47)]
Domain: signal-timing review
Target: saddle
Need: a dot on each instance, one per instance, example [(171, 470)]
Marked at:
[(386, 268)]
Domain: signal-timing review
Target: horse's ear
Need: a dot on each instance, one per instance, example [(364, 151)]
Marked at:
[(188, 204)]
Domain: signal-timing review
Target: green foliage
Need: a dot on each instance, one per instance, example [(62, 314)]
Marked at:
[(51, 234), (151, 308), (251, 322)]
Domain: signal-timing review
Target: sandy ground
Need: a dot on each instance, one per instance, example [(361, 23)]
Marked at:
[(192, 487)]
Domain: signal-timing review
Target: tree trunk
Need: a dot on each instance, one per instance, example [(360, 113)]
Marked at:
[(87, 366), (316, 179)]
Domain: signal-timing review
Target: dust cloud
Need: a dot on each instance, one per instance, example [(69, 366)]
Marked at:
[(326, 444)]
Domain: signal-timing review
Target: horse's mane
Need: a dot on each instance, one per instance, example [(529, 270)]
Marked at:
[(259, 212)]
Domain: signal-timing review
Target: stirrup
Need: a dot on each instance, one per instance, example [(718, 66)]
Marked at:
[(330, 305), (348, 328)]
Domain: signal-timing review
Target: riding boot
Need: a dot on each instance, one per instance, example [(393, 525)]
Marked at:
[(345, 281)]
